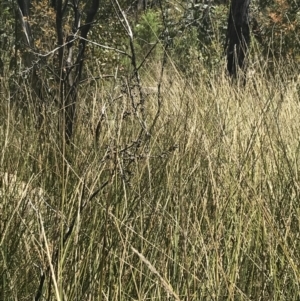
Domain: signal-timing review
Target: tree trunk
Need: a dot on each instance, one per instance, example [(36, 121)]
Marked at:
[(29, 58), (238, 36), (71, 71)]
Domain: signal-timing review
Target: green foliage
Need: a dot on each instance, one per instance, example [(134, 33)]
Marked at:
[(186, 49), (110, 32), (200, 37), (7, 39), (148, 27), (279, 24), (147, 33)]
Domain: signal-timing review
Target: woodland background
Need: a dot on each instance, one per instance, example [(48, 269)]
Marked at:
[(140, 170)]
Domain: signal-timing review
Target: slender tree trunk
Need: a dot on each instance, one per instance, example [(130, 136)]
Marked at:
[(70, 71), (74, 81), (29, 58)]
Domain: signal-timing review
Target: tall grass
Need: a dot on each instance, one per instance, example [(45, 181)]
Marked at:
[(207, 208)]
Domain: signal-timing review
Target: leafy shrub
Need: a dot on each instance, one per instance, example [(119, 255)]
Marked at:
[(147, 32), (200, 36), (279, 22)]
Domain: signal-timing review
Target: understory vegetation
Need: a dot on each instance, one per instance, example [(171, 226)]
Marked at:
[(178, 183)]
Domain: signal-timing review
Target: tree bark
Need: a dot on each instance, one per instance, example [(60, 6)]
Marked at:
[(70, 72), (74, 82), (29, 58), (238, 36)]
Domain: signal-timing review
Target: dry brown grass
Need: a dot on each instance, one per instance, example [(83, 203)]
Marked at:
[(209, 205)]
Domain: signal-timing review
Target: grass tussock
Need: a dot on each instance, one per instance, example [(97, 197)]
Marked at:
[(195, 197)]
